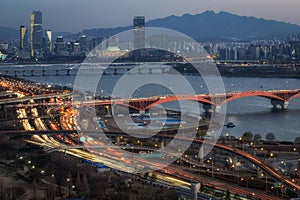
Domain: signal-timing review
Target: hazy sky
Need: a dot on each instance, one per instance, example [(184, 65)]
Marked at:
[(76, 15)]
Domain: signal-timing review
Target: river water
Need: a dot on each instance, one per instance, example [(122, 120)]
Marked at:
[(248, 114)]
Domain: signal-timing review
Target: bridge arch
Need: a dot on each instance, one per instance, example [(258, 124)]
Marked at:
[(264, 94), (294, 96), (180, 98)]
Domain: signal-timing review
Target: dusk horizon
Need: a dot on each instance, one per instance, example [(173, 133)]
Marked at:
[(74, 16)]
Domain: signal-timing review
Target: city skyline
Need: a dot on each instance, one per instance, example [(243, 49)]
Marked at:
[(108, 14)]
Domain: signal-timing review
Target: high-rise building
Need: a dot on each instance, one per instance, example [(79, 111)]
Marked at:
[(48, 47), (139, 32), (83, 44), (36, 33), (23, 38), (59, 45)]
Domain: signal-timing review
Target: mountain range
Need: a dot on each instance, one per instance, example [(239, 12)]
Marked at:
[(206, 26)]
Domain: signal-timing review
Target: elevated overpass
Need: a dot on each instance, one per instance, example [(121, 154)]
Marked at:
[(266, 168)]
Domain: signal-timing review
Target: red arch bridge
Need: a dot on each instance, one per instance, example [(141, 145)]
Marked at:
[(211, 102)]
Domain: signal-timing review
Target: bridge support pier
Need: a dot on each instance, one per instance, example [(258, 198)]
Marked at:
[(211, 108), (277, 104), (162, 143), (118, 140), (201, 154), (217, 108), (285, 105), (195, 187), (207, 108), (115, 71)]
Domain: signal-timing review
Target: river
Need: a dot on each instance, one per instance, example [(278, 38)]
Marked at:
[(248, 114)]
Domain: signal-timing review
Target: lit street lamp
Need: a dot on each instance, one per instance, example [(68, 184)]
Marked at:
[(243, 142), (212, 167), (229, 138)]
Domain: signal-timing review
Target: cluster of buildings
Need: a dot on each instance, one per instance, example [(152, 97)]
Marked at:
[(263, 50), (37, 44)]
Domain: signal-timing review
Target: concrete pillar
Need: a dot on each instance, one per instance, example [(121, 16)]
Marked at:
[(285, 105), (195, 187), (118, 140), (207, 108), (259, 173), (162, 143), (277, 104), (115, 71), (201, 155), (217, 108)]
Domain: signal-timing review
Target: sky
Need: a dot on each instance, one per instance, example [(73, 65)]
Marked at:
[(77, 15)]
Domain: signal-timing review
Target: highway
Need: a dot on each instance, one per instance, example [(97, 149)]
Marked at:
[(68, 143)]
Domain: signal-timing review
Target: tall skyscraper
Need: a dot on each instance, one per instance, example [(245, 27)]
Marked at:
[(23, 38), (139, 32), (83, 44), (59, 44), (48, 47), (36, 33)]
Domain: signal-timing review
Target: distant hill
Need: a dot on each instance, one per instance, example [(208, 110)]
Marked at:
[(215, 26), (223, 25), (101, 32)]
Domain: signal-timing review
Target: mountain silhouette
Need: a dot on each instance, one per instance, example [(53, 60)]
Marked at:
[(226, 26)]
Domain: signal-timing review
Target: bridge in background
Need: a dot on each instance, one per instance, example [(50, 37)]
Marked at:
[(211, 102)]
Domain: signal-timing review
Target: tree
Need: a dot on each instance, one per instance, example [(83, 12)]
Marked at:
[(297, 140), (247, 136), (257, 137), (270, 136)]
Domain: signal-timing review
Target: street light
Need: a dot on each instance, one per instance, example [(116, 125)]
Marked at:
[(212, 167), (229, 138), (181, 126), (247, 181), (262, 175), (243, 143)]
